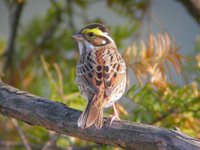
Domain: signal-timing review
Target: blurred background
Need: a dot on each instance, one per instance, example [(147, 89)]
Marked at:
[(159, 40)]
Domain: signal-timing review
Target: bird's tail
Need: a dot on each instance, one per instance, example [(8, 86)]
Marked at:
[(91, 115)]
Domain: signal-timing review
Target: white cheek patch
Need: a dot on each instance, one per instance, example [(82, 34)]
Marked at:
[(108, 37), (103, 42)]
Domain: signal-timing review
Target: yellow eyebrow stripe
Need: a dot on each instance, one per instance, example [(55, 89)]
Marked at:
[(95, 31)]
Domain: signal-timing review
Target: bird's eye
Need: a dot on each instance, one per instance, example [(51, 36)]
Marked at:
[(91, 34)]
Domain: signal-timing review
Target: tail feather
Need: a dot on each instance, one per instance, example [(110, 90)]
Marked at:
[(99, 121), (92, 115)]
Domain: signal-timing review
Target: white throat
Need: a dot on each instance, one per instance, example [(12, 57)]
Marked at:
[(84, 46)]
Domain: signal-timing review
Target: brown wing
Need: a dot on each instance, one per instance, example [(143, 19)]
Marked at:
[(111, 71), (87, 75)]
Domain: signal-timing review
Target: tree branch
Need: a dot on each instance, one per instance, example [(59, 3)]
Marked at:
[(51, 142), (15, 10), (55, 116), (193, 7), (21, 133)]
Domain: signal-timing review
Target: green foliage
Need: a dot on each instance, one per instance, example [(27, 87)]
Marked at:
[(176, 106)]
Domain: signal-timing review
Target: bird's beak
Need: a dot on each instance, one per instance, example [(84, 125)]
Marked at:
[(77, 37)]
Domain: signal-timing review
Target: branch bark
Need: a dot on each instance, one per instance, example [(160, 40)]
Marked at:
[(57, 117)]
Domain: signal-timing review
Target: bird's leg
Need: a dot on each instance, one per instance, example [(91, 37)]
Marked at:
[(115, 114)]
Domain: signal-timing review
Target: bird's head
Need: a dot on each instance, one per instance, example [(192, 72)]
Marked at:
[(93, 35)]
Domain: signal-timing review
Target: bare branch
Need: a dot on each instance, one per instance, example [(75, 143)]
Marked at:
[(52, 140), (15, 10), (9, 144), (21, 133), (193, 7), (61, 119)]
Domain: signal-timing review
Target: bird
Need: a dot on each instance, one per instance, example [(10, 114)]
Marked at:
[(100, 73)]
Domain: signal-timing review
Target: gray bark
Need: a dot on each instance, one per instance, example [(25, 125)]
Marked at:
[(58, 117)]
